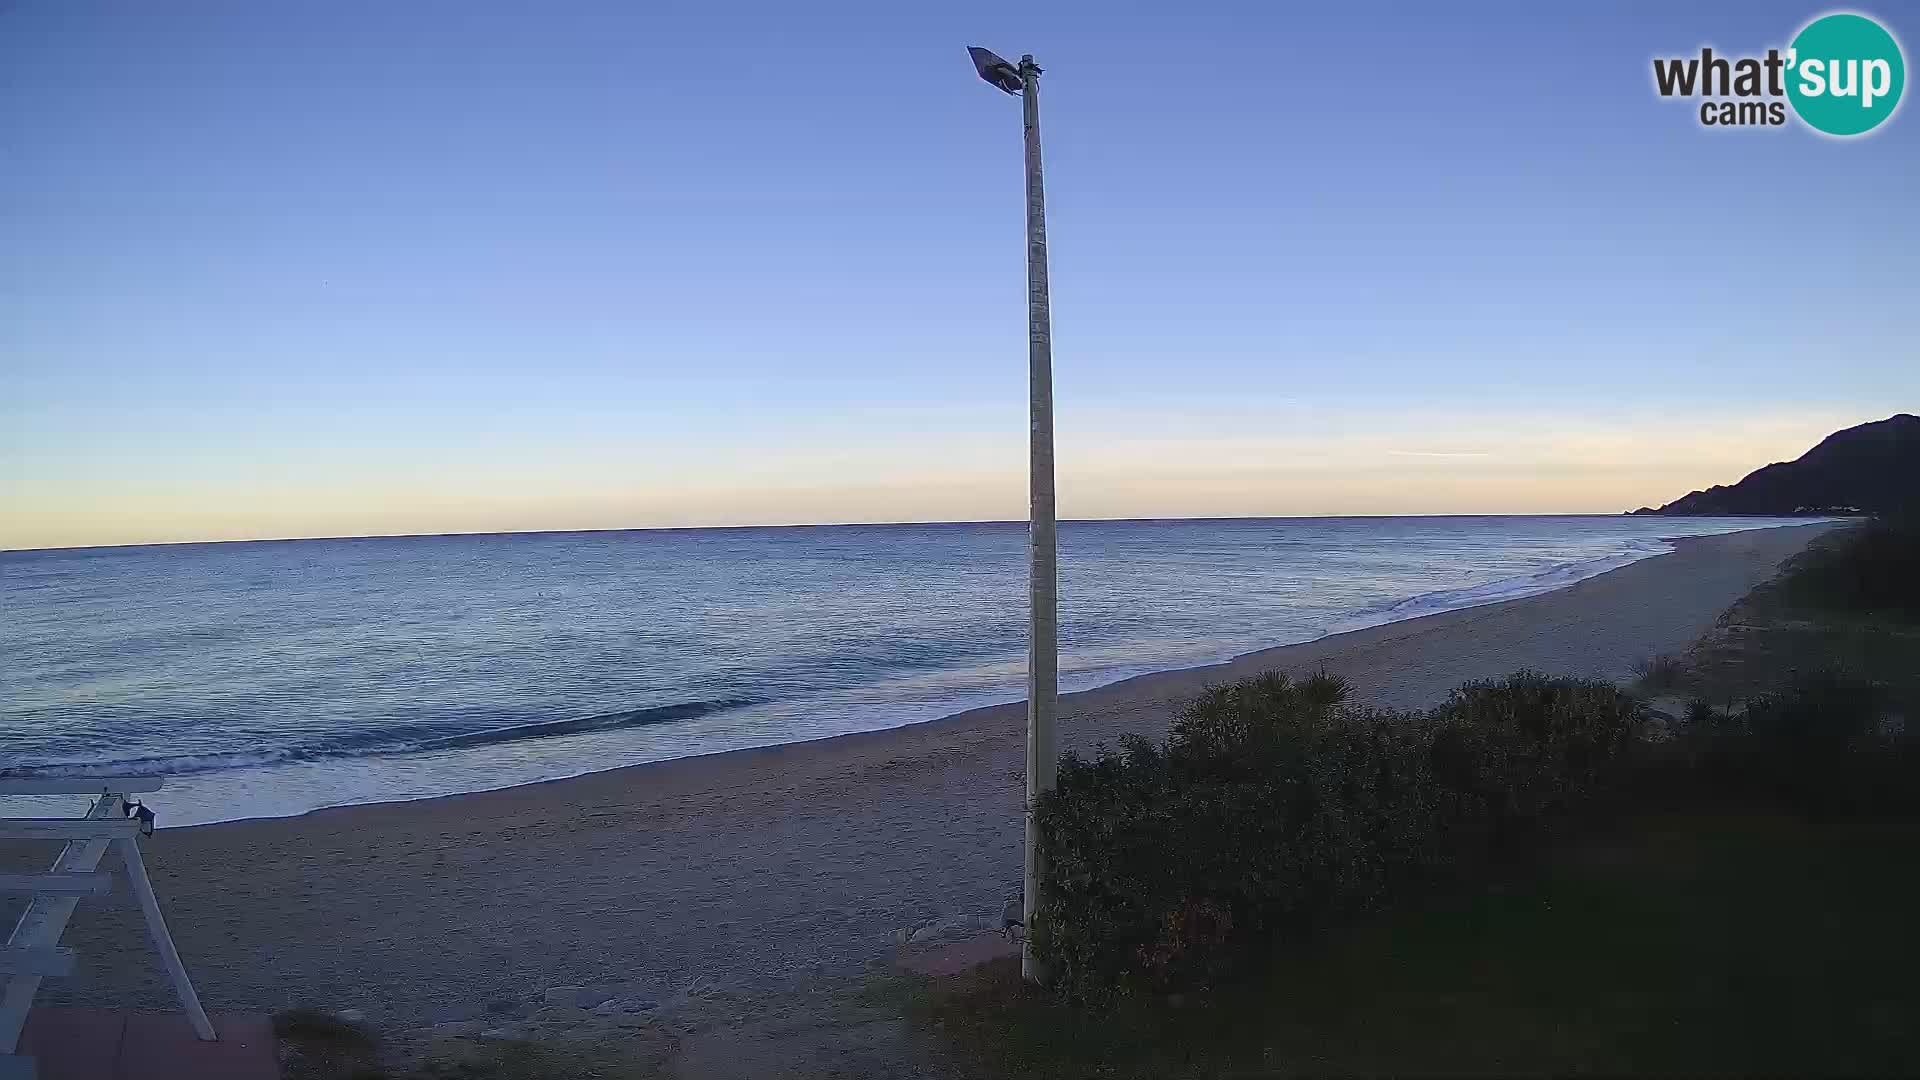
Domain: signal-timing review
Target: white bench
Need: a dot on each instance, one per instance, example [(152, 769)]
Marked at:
[(33, 951)]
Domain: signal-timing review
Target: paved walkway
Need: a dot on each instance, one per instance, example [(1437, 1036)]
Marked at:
[(112, 1044)]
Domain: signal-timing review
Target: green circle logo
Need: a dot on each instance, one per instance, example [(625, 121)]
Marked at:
[(1845, 74)]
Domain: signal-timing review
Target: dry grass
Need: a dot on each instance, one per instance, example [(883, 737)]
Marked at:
[(1660, 675)]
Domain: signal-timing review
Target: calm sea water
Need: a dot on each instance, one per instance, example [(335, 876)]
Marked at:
[(275, 677)]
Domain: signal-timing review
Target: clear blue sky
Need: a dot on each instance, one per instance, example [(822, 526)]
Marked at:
[(319, 269)]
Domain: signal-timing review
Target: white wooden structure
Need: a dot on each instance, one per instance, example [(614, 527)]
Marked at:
[(33, 951)]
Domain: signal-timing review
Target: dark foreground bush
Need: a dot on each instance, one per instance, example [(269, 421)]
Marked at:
[(1824, 743), (1516, 752), (1871, 570), (1273, 808)]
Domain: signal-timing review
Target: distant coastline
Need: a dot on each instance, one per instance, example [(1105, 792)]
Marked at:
[(1867, 469)]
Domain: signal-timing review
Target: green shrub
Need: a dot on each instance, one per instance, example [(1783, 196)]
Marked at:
[(1514, 752), (1273, 808)]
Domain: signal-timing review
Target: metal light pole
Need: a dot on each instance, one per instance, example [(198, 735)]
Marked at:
[(1043, 639)]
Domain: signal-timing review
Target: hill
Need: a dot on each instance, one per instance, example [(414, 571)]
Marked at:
[(1873, 468)]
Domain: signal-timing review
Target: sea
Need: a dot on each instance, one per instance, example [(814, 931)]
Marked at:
[(271, 678)]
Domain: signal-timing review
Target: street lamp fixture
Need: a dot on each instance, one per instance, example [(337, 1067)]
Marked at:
[(995, 70)]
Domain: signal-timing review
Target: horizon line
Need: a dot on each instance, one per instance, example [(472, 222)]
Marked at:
[(806, 525)]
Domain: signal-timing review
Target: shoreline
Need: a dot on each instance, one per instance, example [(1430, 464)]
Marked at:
[(770, 869), (1411, 608), (961, 717), (1675, 543)]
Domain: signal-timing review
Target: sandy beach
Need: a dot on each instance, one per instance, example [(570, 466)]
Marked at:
[(761, 870)]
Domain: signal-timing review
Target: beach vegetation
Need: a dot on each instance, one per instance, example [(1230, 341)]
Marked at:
[(1872, 570), (1689, 940), (1274, 808), (1826, 743), (1843, 609), (1660, 674)]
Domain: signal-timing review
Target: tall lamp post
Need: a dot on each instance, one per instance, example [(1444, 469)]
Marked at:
[(1043, 640)]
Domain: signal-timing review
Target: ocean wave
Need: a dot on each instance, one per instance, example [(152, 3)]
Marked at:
[(659, 714), (1493, 592), (385, 743)]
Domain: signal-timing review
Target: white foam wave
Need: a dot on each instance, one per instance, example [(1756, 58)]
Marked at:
[(1494, 592)]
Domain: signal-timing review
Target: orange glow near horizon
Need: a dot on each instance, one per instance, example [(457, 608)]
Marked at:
[(1466, 468)]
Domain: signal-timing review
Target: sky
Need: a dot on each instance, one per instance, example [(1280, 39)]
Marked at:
[(296, 269)]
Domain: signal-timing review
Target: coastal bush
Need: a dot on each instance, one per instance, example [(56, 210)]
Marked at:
[(1824, 743), (1871, 570), (1273, 807), (1514, 753)]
